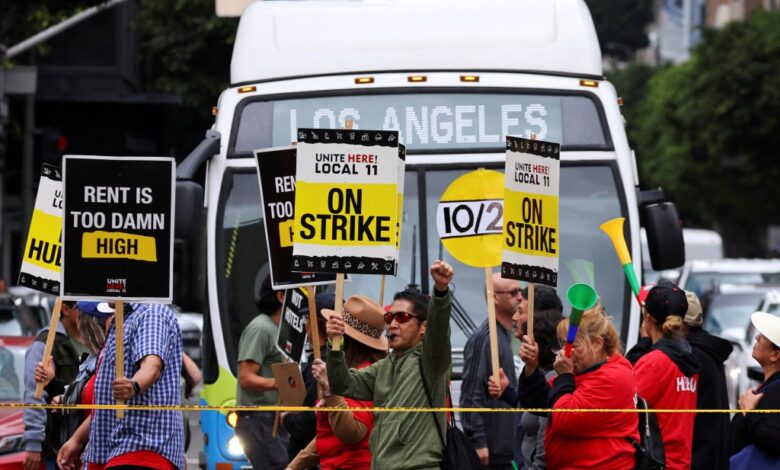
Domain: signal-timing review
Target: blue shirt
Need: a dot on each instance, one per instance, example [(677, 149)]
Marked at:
[(150, 329)]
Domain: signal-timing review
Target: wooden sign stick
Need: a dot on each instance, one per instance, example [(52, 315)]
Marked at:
[(492, 323), (119, 329), (314, 329), (275, 429), (382, 290), (55, 320), (336, 346), (530, 322)]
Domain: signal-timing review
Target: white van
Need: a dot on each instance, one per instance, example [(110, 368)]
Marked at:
[(454, 78)]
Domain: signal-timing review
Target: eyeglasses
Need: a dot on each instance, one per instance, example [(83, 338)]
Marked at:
[(512, 293), (400, 317)]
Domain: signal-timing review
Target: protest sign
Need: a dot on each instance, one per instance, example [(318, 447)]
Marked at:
[(118, 228), (530, 230), (41, 261), (292, 328), (289, 381), (469, 218), (276, 173), (346, 212)]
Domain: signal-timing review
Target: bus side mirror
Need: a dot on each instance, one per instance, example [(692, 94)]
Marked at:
[(664, 235), (189, 260)]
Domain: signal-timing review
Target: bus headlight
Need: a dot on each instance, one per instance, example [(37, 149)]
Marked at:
[(234, 447), (232, 419)]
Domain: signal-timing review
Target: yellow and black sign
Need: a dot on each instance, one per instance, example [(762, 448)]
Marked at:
[(469, 218), (118, 228), (346, 201), (531, 233), (41, 261)]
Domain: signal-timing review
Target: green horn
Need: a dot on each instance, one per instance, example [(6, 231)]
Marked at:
[(581, 297)]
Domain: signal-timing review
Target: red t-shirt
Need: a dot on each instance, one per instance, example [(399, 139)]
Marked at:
[(333, 452), (88, 394), (664, 386), (146, 458)]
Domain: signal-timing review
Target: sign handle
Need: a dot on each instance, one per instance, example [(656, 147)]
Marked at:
[(530, 322), (119, 329), (492, 323), (336, 346), (314, 329), (275, 429), (55, 319), (382, 290)]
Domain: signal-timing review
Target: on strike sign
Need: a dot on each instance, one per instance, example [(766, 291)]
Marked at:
[(118, 228), (346, 201), (532, 177)]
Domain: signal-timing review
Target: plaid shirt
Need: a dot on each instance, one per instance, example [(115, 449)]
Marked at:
[(149, 329)]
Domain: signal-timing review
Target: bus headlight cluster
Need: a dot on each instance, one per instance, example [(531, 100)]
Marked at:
[(234, 447)]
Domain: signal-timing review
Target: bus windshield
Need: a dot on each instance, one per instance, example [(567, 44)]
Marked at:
[(589, 196), (429, 122)]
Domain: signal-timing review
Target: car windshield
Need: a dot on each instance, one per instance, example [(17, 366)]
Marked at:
[(589, 196), (731, 311), (701, 282), (11, 372)]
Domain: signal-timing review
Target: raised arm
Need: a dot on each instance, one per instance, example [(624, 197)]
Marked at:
[(437, 349)]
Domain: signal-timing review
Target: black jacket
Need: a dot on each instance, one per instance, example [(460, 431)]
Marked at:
[(710, 430), (763, 430)]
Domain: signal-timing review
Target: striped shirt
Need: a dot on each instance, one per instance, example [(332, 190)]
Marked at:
[(150, 329)]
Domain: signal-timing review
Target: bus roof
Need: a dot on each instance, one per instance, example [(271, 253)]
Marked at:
[(282, 39)]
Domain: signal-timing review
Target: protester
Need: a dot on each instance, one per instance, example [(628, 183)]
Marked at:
[(667, 372), (710, 430), (302, 427), (143, 439), (93, 318), (755, 438), (342, 437), (493, 434), (595, 376), (419, 335), (548, 312), (39, 438), (256, 385)]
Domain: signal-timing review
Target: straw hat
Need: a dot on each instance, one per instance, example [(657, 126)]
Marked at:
[(768, 325), (364, 321)]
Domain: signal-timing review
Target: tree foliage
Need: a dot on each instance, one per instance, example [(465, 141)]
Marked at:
[(20, 19), (186, 51), (621, 25), (708, 131)]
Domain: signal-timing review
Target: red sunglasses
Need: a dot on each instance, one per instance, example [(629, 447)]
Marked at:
[(400, 317)]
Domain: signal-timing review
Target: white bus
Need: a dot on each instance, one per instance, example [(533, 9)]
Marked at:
[(454, 78)]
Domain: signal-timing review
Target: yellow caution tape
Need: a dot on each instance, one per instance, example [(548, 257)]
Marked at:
[(375, 410)]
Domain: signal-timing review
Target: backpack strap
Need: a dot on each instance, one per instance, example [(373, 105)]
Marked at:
[(430, 401)]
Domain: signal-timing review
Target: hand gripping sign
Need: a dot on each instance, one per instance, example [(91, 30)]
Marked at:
[(118, 233), (346, 197), (42, 253), (469, 220)]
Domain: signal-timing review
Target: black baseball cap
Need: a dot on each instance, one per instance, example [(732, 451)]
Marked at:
[(666, 299)]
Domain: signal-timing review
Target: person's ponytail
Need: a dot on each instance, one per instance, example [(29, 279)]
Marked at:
[(673, 327)]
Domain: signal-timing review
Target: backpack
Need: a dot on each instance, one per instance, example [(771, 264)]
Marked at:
[(650, 453), (458, 452), (68, 421)]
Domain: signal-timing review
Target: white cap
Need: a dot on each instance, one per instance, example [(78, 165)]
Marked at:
[(768, 325)]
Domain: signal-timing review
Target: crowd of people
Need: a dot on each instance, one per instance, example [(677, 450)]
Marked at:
[(400, 356)]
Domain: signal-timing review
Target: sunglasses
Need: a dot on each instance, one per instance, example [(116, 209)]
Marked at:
[(400, 317), (512, 293)]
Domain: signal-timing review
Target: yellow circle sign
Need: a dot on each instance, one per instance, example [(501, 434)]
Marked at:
[(470, 218)]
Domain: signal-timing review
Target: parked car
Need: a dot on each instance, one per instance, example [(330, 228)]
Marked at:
[(700, 275), (12, 349), (19, 319)]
